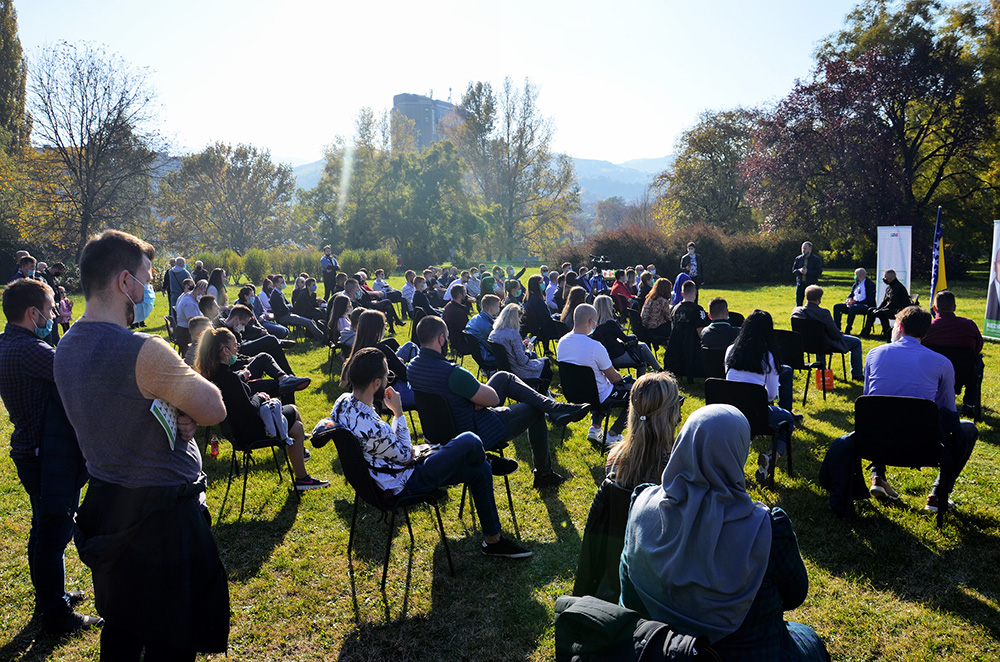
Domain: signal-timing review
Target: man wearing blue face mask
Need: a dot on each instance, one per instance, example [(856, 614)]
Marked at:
[(143, 527), (43, 448), (25, 268)]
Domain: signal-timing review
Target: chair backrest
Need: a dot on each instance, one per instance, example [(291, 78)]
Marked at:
[(500, 355), (790, 351), (435, 417), (352, 461), (418, 314), (714, 361), (736, 319), (750, 399), (476, 352), (813, 335), (241, 445), (579, 385), (621, 304), (898, 431), (635, 322), (171, 325), (963, 359)]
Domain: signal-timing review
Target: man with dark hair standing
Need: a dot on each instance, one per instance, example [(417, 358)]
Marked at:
[(476, 407), (692, 265), (44, 450), (807, 269), (143, 527), (328, 266), (49, 275)]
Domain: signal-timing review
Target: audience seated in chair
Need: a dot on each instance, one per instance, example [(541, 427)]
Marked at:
[(187, 307), (949, 330), (370, 332), (580, 349), (456, 316), (673, 569), (538, 317), (860, 300), (905, 367), (576, 296), (625, 350), (373, 301), (896, 298), (621, 288), (399, 469), (523, 362), (752, 358), (217, 352), (682, 356), (481, 324), (656, 311), (720, 334), (253, 339), (420, 299), (282, 311), (478, 407), (837, 341), (197, 326)]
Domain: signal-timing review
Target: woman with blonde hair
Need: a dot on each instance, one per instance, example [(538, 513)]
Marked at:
[(506, 332), (624, 351), (654, 414)]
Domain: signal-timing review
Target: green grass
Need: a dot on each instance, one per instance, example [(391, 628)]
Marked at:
[(888, 586)]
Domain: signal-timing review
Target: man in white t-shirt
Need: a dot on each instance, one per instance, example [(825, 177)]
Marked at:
[(580, 349)]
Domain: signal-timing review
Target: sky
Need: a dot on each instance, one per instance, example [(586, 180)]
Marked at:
[(619, 80)]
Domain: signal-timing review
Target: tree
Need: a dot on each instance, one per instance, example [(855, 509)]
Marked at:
[(893, 123), (228, 197), (93, 116), (14, 126), (703, 184), (528, 191)]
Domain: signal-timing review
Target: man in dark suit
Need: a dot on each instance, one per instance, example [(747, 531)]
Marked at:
[(860, 300), (896, 298), (835, 340), (807, 269)]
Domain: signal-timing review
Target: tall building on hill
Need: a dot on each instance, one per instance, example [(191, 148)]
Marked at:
[(427, 115)]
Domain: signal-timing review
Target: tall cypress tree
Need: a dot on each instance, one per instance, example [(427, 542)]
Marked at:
[(14, 127)]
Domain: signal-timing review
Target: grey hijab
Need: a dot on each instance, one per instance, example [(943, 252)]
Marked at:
[(697, 546)]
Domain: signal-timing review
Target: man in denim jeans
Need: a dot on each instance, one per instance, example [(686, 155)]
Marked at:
[(52, 472)]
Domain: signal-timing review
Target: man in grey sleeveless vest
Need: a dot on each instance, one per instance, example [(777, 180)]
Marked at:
[(143, 527)]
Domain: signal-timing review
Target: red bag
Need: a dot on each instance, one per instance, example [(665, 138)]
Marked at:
[(824, 376)]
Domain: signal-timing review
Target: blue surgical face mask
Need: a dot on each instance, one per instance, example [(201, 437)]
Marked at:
[(144, 308), (253, 300), (31, 273), (313, 288), (43, 331), (280, 287)]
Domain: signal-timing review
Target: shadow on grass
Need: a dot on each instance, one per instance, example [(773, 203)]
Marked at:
[(30, 643), (490, 610), (902, 560), (246, 544)]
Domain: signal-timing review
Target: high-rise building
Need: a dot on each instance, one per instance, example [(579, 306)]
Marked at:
[(427, 115)]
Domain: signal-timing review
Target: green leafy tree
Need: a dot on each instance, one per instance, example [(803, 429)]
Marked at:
[(14, 125), (530, 192), (228, 197)]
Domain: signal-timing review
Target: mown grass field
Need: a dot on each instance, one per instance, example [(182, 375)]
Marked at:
[(887, 586)]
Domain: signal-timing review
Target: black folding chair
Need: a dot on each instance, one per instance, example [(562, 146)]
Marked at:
[(792, 354), (964, 360), (247, 447), (751, 400), (814, 341), (418, 314), (621, 307), (902, 432), (503, 363), (714, 361), (579, 386), (358, 474), (641, 332), (439, 428), (736, 319), (171, 324), (475, 347)]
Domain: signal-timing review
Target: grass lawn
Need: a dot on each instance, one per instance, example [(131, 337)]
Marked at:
[(887, 586)]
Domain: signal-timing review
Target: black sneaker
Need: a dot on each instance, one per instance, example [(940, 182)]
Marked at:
[(70, 623), (504, 548), (291, 383), (310, 483), (763, 463), (501, 466), (564, 413), (548, 479)]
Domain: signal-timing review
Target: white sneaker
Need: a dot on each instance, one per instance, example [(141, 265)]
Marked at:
[(595, 434), (612, 439)]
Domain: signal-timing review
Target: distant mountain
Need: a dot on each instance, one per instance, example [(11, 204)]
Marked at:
[(598, 179)]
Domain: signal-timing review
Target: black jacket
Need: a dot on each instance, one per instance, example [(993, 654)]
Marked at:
[(896, 298), (814, 268)]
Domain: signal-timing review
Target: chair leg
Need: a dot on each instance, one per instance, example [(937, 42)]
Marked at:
[(246, 472), (229, 483), (354, 519), (388, 546), (510, 503), (444, 539), (843, 364), (788, 447), (805, 394), (406, 514), (604, 439)]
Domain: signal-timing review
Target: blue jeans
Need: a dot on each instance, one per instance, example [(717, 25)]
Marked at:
[(275, 330), (461, 460), (776, 416), (51, 530)]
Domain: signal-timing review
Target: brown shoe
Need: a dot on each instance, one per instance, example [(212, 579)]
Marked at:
[(881, 489)]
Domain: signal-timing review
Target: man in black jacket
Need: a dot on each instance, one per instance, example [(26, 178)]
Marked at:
[(896, 298), (807, 269)]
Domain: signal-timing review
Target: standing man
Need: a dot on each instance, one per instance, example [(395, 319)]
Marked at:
[(49, 275), (807, 269), (176, 277), (44, 450), (692, 265), (25, 268), (143, 527), (896, 298), (860, 300), (200, 272), (328, 265)]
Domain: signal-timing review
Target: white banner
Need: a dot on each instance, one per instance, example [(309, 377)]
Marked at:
[(894, 252), (992, 325)]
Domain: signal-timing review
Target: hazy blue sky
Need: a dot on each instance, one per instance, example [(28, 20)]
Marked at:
[(620, 79)]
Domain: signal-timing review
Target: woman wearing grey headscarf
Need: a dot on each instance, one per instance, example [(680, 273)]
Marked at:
[(703, 557)]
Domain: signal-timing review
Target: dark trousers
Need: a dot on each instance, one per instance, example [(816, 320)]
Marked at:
[(800, 292), (329, 284), (264, 364), (852, 312), (618, 397), (528, 413), (118, 644), (267, 345), (52, 513)]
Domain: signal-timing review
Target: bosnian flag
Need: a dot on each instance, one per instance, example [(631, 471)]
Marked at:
[(938, 279)]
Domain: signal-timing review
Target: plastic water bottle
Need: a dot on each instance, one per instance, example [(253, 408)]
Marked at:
[(215, 446)]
